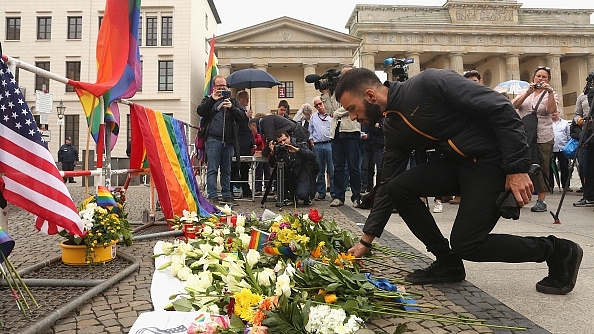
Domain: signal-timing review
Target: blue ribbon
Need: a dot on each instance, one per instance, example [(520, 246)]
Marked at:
[(384, 284)]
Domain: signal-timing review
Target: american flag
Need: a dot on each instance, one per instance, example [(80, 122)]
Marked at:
[(29, 177)]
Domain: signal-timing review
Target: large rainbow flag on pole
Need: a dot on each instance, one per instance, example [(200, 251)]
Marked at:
[(118, 67), (211, 69), (164, 140)]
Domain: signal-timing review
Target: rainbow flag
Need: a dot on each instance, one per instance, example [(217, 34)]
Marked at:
[(164, 140), (211, 69), (6, 244), (278, 251), (118, 67), (258, 239), (105, 199)]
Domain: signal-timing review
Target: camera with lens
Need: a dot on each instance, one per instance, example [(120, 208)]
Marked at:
[(225, 94), (328, 80), (400, 67), (537, 86), (281, 153)]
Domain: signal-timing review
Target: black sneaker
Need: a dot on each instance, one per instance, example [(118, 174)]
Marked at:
[(563, 268), (437, 272), (583, 202), (229, 200)]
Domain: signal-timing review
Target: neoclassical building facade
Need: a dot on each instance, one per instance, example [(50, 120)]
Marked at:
[(500, 39)]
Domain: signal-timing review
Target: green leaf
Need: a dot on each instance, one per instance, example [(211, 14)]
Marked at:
[(183, 305), (350, 306)]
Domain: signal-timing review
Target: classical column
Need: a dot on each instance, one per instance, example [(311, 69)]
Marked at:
[(224, 69), (590, 62), (457, 62), (368, 60), (554, 62), (309, 89), (512, 67), (259, 96), (414, 68)]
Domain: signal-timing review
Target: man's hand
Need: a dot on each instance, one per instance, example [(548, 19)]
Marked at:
[(521, 186), (358, 250), (291, 148)]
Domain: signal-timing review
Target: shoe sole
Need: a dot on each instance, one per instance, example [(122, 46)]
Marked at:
[(566, 289), (588, 205), (435, 281)]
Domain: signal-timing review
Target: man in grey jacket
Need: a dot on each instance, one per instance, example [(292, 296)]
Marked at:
[(485, 153)]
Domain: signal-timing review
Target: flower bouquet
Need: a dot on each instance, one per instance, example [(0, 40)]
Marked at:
[(105, 222)]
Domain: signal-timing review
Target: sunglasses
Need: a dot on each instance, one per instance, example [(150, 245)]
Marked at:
[(548, 69), (473, 72), (318, 104)]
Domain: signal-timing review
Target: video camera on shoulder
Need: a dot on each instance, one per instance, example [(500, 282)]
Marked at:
[(328, 80), (400, 70)]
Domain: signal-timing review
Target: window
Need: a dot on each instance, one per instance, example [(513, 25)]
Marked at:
[(41, 81), (44, 27), (286, 90), (151, 31), (100, 21), (13, 28), (166, 31), (166, 75), (74, 27), (73, 73), (71, 129), (140, 31), (206, 21)]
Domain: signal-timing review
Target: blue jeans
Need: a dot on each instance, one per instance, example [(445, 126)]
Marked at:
[(347, 150), (218, 156), (324, 158)]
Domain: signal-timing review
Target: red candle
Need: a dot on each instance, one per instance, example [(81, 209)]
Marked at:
[(187, 225), (223, 219), (234, 221), (191, 233)]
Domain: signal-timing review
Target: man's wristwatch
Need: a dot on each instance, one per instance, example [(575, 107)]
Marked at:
[(365, 243)]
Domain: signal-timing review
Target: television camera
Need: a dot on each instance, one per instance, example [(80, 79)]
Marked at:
[(400, 67), (328, 80)]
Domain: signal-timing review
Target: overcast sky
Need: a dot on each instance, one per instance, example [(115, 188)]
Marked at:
[(238, 14)]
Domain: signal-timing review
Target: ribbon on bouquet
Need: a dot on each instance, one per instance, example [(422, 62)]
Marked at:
[(384, 284)]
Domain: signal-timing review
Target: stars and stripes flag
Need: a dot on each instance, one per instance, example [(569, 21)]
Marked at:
[(29, 177)]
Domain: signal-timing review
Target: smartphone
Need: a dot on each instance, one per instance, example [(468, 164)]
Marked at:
[(225, 93)]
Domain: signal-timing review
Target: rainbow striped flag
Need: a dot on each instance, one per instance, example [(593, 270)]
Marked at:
[(164, 140), (258, 239), (6, 244), (278, 251), (118, 67), (211, 69), (105, 199)]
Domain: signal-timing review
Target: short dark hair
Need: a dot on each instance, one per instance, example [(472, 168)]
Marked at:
[(472, 73), (356, 79), (280, 133)]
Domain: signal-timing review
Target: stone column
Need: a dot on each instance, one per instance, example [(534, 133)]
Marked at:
[(414, 68), (590, 62), (309, 88), (512, 67), (554, 62), (368, 60), (457, 62), (224, 69), (259, 96)]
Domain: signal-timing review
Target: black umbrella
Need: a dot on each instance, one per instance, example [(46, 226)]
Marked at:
[(251, 78)]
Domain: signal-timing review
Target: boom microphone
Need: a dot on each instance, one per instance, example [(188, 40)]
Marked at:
[(311, 78)]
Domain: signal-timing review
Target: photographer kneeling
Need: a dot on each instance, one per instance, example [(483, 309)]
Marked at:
[(300, 162)]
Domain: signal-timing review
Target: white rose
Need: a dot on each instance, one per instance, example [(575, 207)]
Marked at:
[(167, 247), (184, 273), (266, 276), (283, 286), (207, 230), (240, 229), (245, 240), (240, 221)]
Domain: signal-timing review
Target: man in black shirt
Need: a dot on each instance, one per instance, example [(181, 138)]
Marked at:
[(68, 155), (484, 150)]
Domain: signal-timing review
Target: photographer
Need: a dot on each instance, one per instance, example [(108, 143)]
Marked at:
[(583, 120), (326, 84), (299, 166), (220, 116)]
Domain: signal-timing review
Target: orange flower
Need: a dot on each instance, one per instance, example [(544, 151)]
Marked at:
[(330, 298), (343, 259), (258, 317)]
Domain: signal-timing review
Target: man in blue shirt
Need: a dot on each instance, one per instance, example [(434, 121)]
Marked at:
[(319, 140)]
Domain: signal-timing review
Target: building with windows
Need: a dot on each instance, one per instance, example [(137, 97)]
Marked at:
[(60, 36)]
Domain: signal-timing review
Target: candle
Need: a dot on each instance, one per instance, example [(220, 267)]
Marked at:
[(234, 221), (191, 233), (187, 225), (223, 219)]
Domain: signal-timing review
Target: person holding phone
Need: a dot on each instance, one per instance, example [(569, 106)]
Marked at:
[(220, 113)]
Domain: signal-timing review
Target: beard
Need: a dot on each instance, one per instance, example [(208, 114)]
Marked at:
[(373, 113)]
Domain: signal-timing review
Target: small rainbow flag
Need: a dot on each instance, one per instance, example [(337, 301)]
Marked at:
[(211, 69), (279, 251), (105, 199), (6, 244), (258, 239)]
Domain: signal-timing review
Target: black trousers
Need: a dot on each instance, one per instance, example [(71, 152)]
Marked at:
[(471, 238), (68, 166)]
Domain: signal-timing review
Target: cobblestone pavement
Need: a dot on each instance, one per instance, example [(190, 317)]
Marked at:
[(115, 309)]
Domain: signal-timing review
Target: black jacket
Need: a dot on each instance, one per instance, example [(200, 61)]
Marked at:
[(207, 109), (301, 170), (442, 110), (67, 153)]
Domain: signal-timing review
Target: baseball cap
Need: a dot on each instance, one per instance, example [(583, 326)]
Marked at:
[(68, 138)]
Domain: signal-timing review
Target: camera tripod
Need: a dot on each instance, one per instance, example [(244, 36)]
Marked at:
[(279, 172)]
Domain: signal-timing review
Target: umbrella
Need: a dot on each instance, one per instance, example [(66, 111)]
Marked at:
[(251, 78), (511, 86)]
